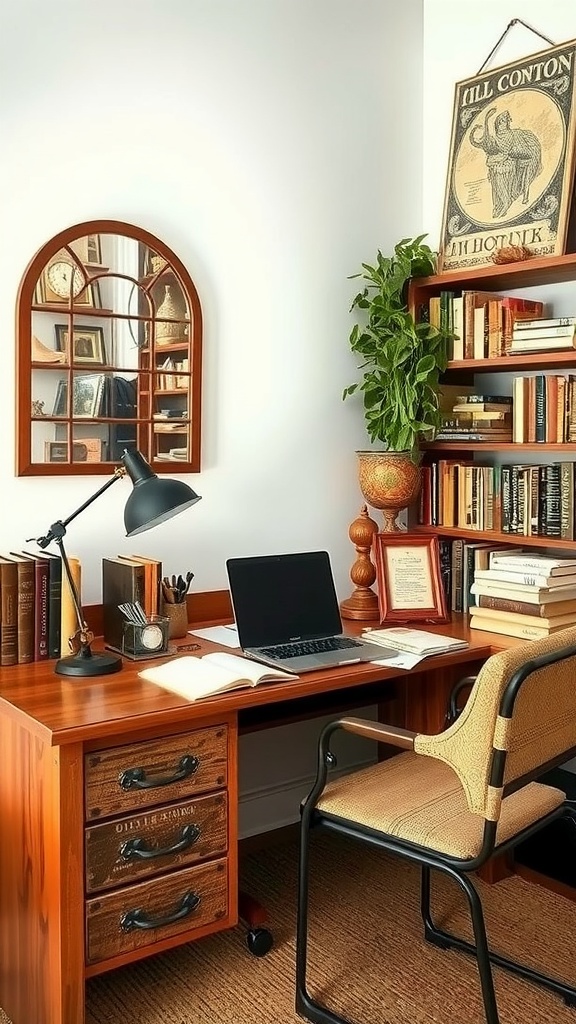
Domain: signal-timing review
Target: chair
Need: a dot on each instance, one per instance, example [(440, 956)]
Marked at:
[(450, 801)]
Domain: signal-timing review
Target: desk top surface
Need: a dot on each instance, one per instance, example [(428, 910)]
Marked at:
[(67, 710)]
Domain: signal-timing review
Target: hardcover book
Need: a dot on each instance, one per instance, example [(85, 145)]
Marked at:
[(8, 611), (25, 607), (123, 581)]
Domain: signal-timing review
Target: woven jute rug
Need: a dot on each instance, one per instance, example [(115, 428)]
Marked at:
[(368, 958)]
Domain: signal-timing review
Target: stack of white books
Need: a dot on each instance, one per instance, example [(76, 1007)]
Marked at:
[(544, 334), (525, 595)]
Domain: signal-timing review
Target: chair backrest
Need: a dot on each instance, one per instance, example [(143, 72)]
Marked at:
[(541, 728)]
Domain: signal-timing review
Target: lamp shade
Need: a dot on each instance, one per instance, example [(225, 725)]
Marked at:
[(154, 499)]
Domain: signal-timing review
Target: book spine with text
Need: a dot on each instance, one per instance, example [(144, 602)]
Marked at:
[(8, 612), (504, 604)]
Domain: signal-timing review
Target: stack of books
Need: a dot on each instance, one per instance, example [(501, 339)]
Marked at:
[(525, 595), (478, 418), (543, 334)]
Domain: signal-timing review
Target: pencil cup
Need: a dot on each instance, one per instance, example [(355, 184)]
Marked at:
[(177, 615)]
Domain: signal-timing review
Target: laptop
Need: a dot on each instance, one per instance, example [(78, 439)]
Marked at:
[(287, 613)]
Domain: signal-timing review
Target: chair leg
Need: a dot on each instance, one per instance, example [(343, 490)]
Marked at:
[(306, 1006), (446, 940)]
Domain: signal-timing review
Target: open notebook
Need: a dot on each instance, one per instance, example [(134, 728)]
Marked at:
[(194, 678)]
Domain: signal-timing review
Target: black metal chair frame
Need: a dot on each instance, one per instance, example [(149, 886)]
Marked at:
[(313, 819)]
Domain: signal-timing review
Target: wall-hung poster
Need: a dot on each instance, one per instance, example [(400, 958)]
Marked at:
[(511, 160)]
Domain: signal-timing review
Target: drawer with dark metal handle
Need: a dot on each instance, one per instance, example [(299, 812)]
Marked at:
[(138, 918), (136, 775), (146, 843), (136, 778), (139, 915)]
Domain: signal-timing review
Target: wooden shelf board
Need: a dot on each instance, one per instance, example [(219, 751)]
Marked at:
[(496, 446), (78, 311), (527, 361), (514, 539), (540, 270)]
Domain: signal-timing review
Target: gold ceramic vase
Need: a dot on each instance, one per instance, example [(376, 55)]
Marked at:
[(389, 481)]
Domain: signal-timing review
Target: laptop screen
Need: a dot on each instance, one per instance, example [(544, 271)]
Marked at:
[(278, 598)]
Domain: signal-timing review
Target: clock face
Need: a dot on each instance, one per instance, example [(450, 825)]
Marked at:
[(152, 637), (65, 279)]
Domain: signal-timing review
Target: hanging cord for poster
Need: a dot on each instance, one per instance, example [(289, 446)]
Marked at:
[(515, 21)]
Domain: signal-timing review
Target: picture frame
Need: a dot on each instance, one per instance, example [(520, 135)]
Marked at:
[(88, 249), (511, 161), (409, 579), (87, 343), (87, 393), (88, 449)]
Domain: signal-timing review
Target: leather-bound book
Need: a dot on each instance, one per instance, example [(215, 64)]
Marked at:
[(26, 573), (8, 611), (41, 587), (123, 581)]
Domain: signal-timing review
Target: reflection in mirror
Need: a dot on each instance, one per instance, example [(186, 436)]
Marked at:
[(112, 338)]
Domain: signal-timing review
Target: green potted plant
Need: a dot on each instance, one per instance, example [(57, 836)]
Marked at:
[(402, 363)]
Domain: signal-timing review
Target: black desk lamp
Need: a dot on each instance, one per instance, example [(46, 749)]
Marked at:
[(153, 500)]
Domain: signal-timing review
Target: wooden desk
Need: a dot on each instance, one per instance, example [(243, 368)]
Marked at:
[(78, 894)]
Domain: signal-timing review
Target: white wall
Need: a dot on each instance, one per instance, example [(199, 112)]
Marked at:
[(274, 145)]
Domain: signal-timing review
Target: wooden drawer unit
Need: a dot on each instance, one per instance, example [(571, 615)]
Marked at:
[(123, 779), (140, 915), (171, 836)]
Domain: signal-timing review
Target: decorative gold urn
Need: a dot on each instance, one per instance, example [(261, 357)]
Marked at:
[(389, 481)]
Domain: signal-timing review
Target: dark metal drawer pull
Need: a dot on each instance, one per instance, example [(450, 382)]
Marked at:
[(135, 778), (139, 848), (138, 918)]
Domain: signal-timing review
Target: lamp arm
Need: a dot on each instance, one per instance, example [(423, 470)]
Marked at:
[(58, 529)]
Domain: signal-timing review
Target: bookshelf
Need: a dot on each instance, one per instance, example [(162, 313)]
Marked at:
[(508, 279)]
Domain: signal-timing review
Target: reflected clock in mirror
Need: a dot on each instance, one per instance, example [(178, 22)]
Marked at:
[(64, 281)]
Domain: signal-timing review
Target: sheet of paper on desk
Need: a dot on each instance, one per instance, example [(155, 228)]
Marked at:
[(226, 636), (402, 660)]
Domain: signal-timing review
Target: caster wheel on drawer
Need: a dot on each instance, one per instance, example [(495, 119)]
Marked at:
[(259, 941)]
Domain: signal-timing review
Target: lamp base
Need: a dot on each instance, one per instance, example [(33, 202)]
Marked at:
[(86, 663)]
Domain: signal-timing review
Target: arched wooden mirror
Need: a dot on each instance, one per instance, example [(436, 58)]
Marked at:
[(109, 356)]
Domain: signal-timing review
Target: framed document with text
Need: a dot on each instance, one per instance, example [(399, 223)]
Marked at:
[(409, 582)]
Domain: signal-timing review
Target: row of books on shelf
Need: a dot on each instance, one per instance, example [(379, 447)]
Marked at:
[(37, 614), (523, 500), (475, 417), (509, 591), (487, 325), (482, 322), (544, 408)]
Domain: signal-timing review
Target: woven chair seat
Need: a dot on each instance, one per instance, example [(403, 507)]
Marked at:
[(420, 799)]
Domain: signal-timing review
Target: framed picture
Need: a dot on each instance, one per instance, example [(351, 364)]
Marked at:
[(87, 343), (87, 393), (87, 450), (88, 249), (409, 581), (511, 162)]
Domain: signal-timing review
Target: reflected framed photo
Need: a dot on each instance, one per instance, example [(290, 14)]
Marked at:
[(87, 343), (89, 449), (87, 393), (410, 585)]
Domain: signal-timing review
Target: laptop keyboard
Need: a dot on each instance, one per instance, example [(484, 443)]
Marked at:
[(297, 650)]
